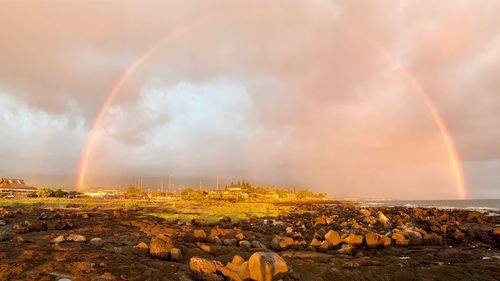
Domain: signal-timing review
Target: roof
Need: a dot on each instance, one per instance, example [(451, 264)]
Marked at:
[(15, 184)]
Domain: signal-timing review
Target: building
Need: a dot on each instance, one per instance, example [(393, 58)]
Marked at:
[(15, 185)]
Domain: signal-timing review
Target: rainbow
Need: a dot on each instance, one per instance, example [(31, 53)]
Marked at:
[(457, 168)]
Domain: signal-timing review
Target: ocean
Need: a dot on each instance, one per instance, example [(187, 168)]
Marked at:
[(482, 205)]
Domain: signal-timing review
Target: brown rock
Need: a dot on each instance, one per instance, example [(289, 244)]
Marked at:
[(433, 239), (161, 246), (281, 242), (141, 249), (199, 234), (354, 240), (333, 238), (265, 266), (175, 255), (373, 240), (382, 218), (205, 269), (237, 269), (76, 238), (315, 242)]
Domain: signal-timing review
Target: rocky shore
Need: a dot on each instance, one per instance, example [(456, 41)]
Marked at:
[(314, 241)]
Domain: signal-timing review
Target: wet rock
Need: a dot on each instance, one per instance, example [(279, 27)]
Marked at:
[(64, 225), (76, 238), (230, 242), (333, 238), (161, 246), (199, 234), (96, 242), (414, 237), (236, 270), (265, 266), (205, 269), (433, 239), (20, 229), (258, 244), (281, 242), (245, 244), (175, 255), (5, 236), (141, 249), (58, 239)]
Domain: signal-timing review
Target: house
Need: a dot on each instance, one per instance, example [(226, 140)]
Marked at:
[(15, 185)]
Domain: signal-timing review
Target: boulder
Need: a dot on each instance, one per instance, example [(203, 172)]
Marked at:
[(495, 233), (239, 236), (245, 244), (373, 240), (265, 266), (76, 238), (4, 236), (58, 239), (433, 239), (323, 246), (161, 246), (414, 237), (258, 244), (205, 269), (382, 218), (64, 225), (96, 242), (236, 270), (315, 242), (230, 242), (199, 235), (281, 242), (333, 238), (319, 221), (175, 255), (354, 240), (141, 249)]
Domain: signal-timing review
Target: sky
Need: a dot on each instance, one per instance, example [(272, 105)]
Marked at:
[(333, 96)]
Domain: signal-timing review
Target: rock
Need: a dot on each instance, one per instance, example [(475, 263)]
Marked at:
[(364, 212), (3, 222), (258, 244), (458, 235), (230, 242), (433, 239), (403, 243), (281, 242), (225, 219), (76, 238), (372, 240), (382, 218), (64, 225), (245, 244), (160, 247), (20, 229), (236, 270), (199, 234), (96, 242), (414, 237), (198, 221), (265, 266), (308, 255), (175, 255), (239, 236), (205, 269), (319, 221), (333, 238), (346, 249), (58, 239), (354, 240), (323, 246), (141, 249), (5, 236), (315, 243)]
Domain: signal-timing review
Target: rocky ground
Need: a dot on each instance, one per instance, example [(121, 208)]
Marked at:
[(335, 241)]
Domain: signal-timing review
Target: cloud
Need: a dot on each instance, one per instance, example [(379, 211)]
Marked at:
[(280, 92)]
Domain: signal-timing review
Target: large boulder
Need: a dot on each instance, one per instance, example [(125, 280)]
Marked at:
[(333, 238), (354, 240), (236, 270), (160, 247), (205, 269), (415, 237), (263, 266)]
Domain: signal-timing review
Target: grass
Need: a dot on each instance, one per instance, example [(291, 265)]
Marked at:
[(211, 211)]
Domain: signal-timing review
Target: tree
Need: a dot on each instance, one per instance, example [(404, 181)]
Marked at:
[(44, 192)]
